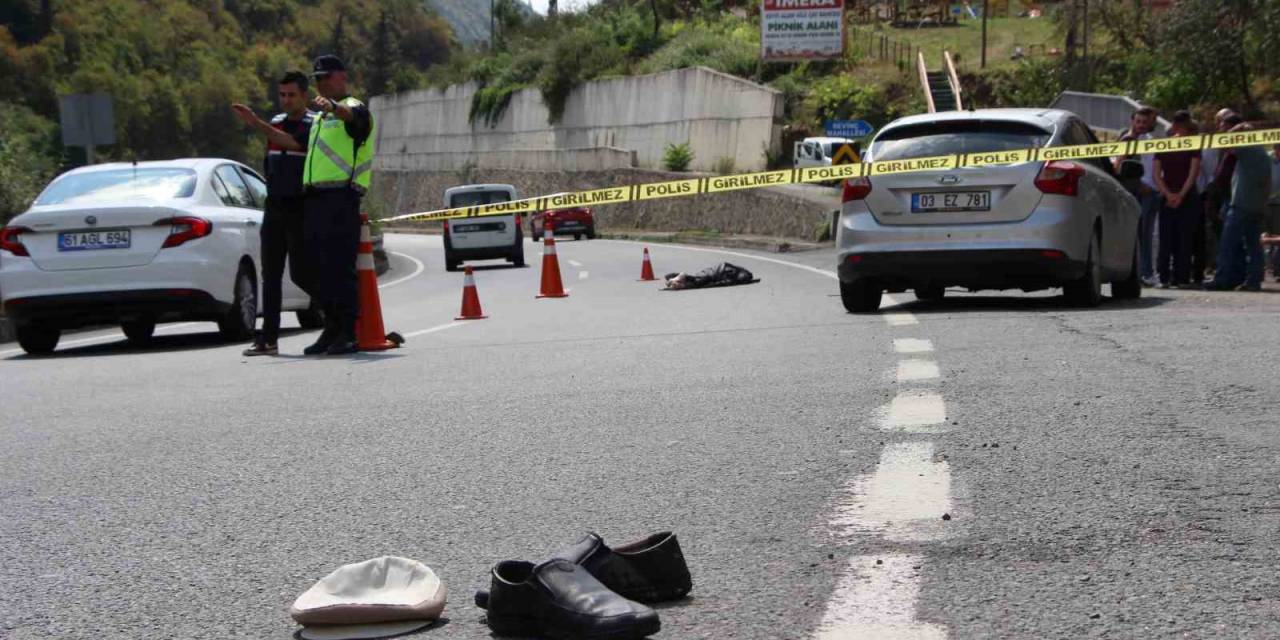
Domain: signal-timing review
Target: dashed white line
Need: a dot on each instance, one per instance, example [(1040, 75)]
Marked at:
[(903, 500), (423, 332), (916, 370), (876, 600), (915, 411), (900, 319), (575, 263), (912, 345), (582, 275)]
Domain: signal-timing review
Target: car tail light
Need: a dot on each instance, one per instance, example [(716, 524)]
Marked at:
[(184, 228), (9, 241), (856, 189), (1060, 177)]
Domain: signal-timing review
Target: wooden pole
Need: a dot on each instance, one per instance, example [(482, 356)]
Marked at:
[(984, 33)]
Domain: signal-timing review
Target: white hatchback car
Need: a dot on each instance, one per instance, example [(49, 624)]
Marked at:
[(485, 237), (137, 244)]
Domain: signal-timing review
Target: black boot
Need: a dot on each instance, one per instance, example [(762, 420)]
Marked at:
[(344, 342), (327, 337)]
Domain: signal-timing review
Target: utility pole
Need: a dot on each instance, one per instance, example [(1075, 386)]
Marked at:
[(984, 33), (491, 24)]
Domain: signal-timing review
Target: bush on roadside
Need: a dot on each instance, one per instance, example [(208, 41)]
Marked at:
[(678, 157)]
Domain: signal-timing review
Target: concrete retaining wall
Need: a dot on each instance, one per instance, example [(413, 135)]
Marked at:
[(520, 159), (719, 115), (774, 212)]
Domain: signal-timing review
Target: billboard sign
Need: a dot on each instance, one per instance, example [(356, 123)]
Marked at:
[(792, 30)]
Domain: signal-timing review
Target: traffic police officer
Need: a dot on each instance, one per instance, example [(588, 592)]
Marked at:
[(282, 222), (335, 175)]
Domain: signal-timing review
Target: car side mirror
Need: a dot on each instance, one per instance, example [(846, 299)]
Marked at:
[(1131, 170)]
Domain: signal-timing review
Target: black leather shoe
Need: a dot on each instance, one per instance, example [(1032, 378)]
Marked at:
[(559, 599), (650, 570), (342, 346), (321, 345)]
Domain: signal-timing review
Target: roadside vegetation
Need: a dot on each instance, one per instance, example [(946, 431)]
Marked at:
[(174, 65)]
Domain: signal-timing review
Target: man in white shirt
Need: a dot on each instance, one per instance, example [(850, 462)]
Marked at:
[(1142, 124)]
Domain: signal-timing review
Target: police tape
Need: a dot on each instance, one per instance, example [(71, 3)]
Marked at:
[(720, 184)]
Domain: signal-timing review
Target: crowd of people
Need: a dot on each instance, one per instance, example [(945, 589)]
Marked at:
[(1209, 218)]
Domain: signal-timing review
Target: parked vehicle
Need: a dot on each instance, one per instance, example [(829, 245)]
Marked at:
[(1026, 226), (482, 238), (576, 221), (136, 245), (816, 152)]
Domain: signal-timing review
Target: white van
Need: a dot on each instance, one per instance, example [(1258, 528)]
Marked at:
[(482, 238), (816, 152)]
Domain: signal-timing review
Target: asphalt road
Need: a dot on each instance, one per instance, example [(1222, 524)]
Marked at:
[(982, 467)]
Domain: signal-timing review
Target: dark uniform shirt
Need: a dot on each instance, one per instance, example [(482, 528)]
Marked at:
[(284, 167)]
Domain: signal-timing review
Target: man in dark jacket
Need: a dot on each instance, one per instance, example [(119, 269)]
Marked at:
[(282, 229)]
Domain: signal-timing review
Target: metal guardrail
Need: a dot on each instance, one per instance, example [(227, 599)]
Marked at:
[(1102, 111)]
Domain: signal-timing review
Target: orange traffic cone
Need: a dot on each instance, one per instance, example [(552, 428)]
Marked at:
[(470, 299), (646, 270), (370, 335), (552, 286)]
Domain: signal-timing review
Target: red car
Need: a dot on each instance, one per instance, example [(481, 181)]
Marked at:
[(578, 221)]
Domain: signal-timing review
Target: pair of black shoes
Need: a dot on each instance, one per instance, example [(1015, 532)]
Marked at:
[(334, 342), (588, 591)]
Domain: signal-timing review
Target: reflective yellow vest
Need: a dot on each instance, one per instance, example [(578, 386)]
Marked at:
[(333, 159)]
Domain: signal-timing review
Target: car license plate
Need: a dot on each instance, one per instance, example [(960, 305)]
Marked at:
[(94, 240), (475, 228), (951, 201)]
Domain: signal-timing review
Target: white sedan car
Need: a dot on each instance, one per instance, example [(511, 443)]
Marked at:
[(138, 244)]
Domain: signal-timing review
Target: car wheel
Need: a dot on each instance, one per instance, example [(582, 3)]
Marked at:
[(930, 293), (139, 331), (312, 318), (1087, 290), (591, 233), (241, 318), (1131, 287), (577, 236), (37, 341), (860, 296)]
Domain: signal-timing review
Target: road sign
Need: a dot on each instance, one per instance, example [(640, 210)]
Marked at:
[(845, 153), (848, 128), (88, 119)]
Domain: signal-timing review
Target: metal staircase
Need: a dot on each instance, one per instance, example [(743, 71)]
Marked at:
[(941, 88)]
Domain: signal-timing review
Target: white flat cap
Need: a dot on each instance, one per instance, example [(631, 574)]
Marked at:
[(377, 598)]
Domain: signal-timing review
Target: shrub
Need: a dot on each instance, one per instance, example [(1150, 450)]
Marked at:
[(723, 165), (678, 157)]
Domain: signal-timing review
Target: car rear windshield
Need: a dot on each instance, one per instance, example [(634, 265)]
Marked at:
[(473, 198), (120, 184), (957, 136)]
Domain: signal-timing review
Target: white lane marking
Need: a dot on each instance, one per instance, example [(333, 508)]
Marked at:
[(878, 602), (582, 275), (903, 500), (821, 272), (913, 370), (575, 263), (916, 412), (112, 337), (900, 319), (418, 268), (423, 332), (912, 345)]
